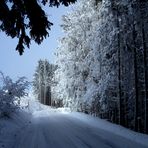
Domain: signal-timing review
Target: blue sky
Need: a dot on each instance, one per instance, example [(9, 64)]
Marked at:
[(14, 65)]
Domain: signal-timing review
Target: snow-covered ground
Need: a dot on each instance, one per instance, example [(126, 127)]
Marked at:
[(10, 128), (44, 127)]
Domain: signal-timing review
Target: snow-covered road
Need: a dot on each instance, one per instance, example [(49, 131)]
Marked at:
[(60, 130)]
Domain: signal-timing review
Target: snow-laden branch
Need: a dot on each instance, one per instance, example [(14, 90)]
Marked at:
[(10, 93)]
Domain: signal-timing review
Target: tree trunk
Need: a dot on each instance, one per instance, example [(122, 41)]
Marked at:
[(136, 81), (142, 7), (115, 9)]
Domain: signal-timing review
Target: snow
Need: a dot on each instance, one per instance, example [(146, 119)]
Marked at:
[(93, 73), (10, 127), (44, 127), (113, 128)]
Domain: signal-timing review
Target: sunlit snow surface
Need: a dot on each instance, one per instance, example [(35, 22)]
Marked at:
[(41, 126)]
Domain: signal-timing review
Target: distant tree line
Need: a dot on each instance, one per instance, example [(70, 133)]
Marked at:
[(43, 81)]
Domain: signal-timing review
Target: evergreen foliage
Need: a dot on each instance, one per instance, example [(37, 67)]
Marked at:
[(26, 20)]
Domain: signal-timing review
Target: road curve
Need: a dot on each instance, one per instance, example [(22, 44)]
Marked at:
[(58, 130)]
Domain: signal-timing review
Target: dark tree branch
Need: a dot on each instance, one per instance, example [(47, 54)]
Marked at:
[(17, 17)]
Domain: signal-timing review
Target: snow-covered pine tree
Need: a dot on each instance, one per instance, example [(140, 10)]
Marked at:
[(73, 58)]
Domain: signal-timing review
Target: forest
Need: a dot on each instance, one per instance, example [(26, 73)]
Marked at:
[(91, 91), (101, 65)]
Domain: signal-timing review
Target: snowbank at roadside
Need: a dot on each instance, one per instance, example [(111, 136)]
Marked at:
[(10, 127), (110, 127)]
